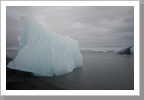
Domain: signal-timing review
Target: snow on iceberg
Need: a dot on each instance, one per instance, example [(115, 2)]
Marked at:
[(129, 50), (44, 52)]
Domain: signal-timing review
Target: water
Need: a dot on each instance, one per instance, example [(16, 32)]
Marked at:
[(101, 71), (102, 48)]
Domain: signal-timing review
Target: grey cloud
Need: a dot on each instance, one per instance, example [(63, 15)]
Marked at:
[(89, 25)]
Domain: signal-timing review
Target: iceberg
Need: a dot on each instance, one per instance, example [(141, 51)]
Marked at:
[(129, 50), (44, 52), (132, 50)]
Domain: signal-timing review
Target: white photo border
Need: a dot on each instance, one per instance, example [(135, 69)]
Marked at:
[(135, 92)]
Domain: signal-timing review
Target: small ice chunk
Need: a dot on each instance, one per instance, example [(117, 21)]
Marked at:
[(129, 50), (132, 50)]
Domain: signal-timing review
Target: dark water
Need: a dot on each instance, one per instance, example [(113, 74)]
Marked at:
[(100, 71)]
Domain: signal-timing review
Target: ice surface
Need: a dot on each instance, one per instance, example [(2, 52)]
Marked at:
[(132, 50), (44, 52), (123, 51)]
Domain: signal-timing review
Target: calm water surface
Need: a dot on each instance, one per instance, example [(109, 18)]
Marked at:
[(100, 71)]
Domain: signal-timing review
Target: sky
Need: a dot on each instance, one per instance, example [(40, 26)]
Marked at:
[(91, 25)]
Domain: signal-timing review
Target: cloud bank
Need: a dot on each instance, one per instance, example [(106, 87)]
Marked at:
[(105, 26)]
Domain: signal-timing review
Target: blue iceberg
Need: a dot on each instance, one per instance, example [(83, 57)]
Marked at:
[(129, 50), (44, 52), (132, 50)]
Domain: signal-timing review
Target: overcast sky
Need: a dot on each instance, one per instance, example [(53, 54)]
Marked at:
[(108, 26)]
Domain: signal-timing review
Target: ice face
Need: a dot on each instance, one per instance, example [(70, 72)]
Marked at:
[(132, 50), (122, 51), (126, 50), (44, 52)]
